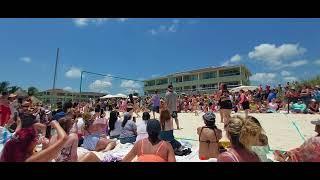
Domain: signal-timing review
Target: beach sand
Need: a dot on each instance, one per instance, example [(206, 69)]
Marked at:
[(282, 129)]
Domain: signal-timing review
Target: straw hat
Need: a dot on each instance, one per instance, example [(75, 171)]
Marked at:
[(12, 95)]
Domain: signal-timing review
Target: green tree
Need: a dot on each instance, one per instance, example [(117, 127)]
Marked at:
[(4, 85), (33, 91), (13, 89)]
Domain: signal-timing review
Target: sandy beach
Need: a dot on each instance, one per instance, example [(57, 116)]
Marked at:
[(284, 131)]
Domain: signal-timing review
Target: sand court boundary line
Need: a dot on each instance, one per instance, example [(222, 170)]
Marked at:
[(296, 127)]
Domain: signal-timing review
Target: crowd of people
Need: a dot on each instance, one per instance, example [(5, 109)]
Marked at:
[(37, 133)]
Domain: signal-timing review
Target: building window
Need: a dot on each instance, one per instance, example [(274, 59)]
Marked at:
[(208, 86), (178, 79), (230, 72), (162, 81), (187, 87), (190, 77), (150, 83), (208, 75), (178, 88)]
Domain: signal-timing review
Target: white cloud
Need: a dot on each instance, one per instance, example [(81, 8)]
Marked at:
[(130, 84), (73, 72), (274, 55), (100, 85), (298, 63), (285, 73), (25, 59), (290, 78), (317, 62), (292, 64), (81, 22), (173, 27), (264, 77), (67, 88), (234, 59)]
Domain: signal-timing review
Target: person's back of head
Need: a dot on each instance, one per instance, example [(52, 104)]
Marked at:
[(243, 133), (153, 130), (27, 120), (66, 123), (126, 117), (209, 120), (19, 146), (112, 119), (145, 116)]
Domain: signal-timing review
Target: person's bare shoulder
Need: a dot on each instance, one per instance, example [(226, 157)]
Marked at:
[(224, 157), (73, 136)]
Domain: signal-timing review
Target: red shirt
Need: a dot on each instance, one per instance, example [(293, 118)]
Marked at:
[(5, 114)]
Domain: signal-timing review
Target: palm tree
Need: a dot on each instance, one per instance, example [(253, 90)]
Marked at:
[(13, 89), (4, 86), (32, 91)]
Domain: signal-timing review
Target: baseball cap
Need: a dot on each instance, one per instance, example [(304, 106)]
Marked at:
[(209, 116)]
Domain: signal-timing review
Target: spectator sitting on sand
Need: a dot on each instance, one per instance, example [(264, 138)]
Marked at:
[(309, 151), (114, 125), (209, 136), (151, 149), (93, 141), (243, 134), (129, 129), (313, 107), (273, 106), (69, 150), (21, 148), (261, 147), (253, 106), (167, 130), (299, 107), (142, 127)]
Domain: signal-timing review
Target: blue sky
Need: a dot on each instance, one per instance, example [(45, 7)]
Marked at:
[(275, 50)]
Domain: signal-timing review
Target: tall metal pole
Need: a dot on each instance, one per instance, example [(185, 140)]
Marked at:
[(80, 86), (55, 77)]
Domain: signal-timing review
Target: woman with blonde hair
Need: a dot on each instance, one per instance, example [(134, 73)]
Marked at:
[(243, 134)]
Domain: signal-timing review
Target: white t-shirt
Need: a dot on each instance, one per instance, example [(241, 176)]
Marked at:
[(142, 130), (80, 124), (117, 128)]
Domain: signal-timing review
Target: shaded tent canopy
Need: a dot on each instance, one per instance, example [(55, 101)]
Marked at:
[(110, 96), (245, 88)]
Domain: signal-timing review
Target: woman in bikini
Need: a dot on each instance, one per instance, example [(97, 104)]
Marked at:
[(224, 103), (243, 134), (151, 149), (209, 136)]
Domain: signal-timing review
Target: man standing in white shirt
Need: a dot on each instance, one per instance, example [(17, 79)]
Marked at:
[(171, 101)]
